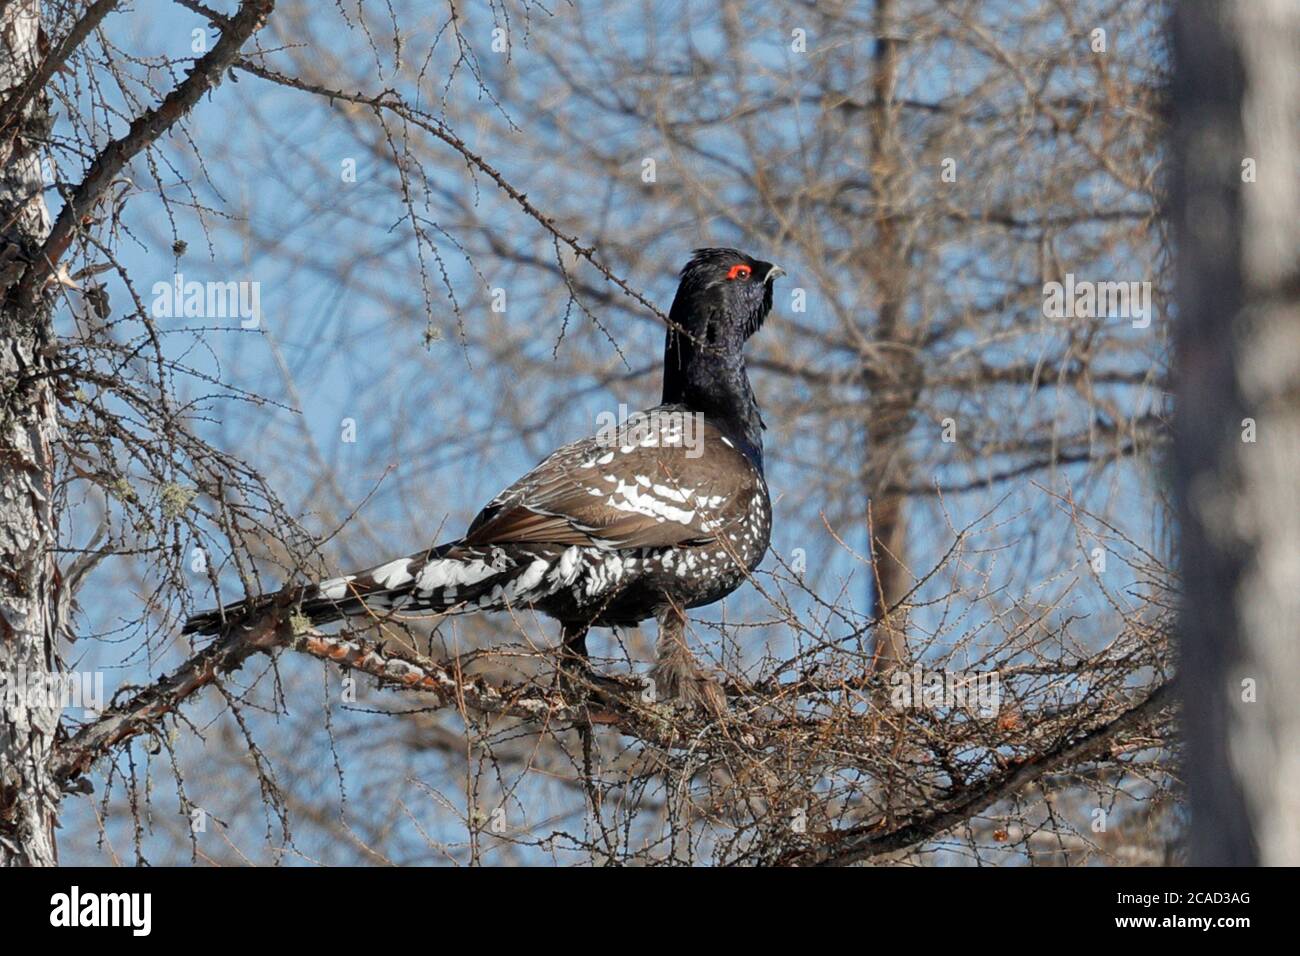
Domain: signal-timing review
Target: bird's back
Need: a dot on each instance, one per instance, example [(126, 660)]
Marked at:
[(663, 508)]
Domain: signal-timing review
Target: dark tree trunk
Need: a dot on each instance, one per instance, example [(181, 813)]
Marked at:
[(891, 371), (1238, 347)]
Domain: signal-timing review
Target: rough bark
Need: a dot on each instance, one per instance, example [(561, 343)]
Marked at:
[(1237, 98), (891, 370), (29, 605), (30, 253)]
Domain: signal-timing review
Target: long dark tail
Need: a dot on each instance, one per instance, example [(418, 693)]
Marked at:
[(452, 577)]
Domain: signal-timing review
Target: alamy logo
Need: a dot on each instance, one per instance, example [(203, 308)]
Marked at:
[(179, 299), (1098, 300), (976, 692), (103, 909), (653, 429), (60, 691)]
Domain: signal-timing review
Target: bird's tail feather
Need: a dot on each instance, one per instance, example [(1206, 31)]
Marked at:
[(451, 577)]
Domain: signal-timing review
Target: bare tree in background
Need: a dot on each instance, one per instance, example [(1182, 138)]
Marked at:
[(966, 483), (1237, 211)]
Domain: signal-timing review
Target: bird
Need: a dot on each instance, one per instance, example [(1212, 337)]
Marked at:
[(663, 512)]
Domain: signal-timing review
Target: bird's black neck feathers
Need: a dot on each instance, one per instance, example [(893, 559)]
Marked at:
[(717, 387), (704, 363)]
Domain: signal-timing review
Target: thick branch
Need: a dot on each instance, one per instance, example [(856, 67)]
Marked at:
[(144, 131), (140, 714), (13, 108), (863, 842), (467, 692)]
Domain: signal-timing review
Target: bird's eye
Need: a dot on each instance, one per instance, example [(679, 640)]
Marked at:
[(739, 272)]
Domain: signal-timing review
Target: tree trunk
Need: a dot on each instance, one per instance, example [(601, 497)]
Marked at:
[(29, 615), (891, 372), (1236, 209)]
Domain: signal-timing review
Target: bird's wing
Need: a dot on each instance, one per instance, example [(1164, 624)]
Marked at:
[(656, 481)]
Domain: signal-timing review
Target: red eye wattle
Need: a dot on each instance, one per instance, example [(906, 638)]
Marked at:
[(739, 272)]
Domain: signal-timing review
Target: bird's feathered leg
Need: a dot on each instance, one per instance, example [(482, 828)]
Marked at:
[(573, 649), (676, 675), (574, 674)]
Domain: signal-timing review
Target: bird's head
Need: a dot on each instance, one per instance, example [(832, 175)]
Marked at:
[(723, 298)]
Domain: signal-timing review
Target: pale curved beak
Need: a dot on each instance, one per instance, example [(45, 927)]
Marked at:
[(772, 273)]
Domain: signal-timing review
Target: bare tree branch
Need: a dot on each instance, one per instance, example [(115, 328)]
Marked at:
[(864, 842), (144, 131), (53, 61)]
